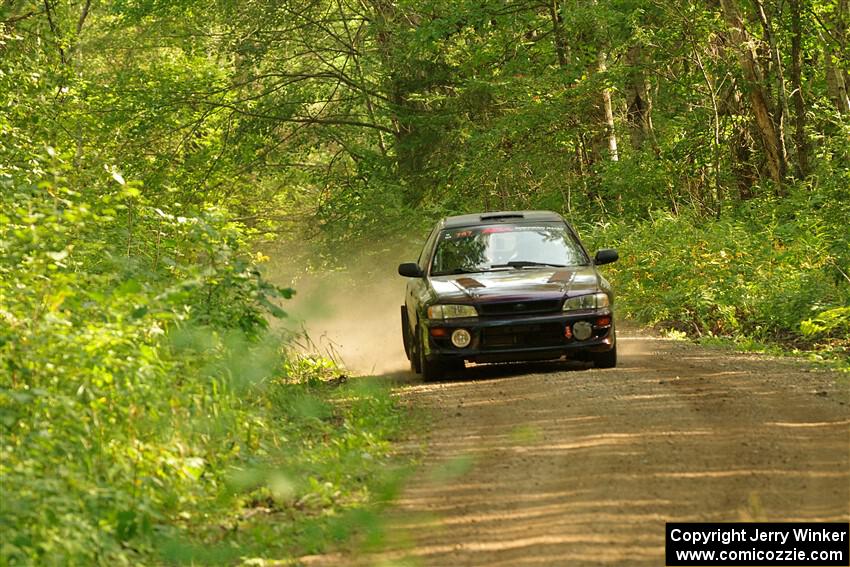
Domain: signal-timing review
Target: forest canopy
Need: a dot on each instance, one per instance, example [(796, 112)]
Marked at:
[(149, 148)]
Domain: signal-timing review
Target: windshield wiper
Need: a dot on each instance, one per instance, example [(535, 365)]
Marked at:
[(527, 264), (456, 271)]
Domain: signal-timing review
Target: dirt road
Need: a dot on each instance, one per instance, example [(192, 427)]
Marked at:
[(548, 464)]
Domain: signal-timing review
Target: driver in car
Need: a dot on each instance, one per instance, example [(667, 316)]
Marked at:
[(502, 248)]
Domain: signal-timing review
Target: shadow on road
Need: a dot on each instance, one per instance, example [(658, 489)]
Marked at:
[(537, 464), (478, 372)]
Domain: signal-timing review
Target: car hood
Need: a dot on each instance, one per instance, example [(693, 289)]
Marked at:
[(519, 284)]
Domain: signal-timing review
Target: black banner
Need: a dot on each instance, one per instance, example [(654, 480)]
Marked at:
[(762, 544)]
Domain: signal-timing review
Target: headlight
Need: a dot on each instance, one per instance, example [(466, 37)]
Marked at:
[(596, 300), (451, 311)]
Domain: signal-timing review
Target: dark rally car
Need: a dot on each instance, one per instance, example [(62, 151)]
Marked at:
[(506, 286)]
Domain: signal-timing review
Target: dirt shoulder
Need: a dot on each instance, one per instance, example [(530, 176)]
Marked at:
[(552, 465)]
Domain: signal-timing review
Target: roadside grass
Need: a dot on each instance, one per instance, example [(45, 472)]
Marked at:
[(778, 287), (296, 463), (327, 468), (824, 356)]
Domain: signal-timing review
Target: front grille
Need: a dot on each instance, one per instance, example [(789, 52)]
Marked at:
[(518, 336), (520, 307)]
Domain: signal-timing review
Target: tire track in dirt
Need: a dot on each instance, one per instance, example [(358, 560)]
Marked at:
[(568, 466)]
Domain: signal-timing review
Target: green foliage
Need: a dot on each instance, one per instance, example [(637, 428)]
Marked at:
[(765, 273), (316, 467), (829, 323), (138, 381), (137, 376)]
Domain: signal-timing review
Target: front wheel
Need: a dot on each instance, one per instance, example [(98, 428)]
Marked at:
[(413, 353), (607, 359), (431, 370), (405, 331)]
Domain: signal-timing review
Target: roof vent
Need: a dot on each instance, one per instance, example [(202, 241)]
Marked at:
[(502, 216)]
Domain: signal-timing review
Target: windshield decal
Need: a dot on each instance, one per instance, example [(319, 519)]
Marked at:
[(471, 232)]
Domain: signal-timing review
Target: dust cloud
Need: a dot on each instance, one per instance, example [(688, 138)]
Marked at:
[(632, 341), (350, 314)]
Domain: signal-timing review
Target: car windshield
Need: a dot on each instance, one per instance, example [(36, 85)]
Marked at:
[(486, 248)]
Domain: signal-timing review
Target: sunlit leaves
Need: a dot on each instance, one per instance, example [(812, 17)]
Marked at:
[(96, 385)]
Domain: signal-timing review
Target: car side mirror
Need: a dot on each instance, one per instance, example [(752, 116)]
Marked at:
[(605, 256), (410, 270)]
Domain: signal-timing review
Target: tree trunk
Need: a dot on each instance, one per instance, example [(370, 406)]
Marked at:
[(710, 84), (759, 97), (782, 108), (607, 110), (801, 141), (745, 174), (835, 52), (835, 84), (639, 99), (408, 160), (558, 32)]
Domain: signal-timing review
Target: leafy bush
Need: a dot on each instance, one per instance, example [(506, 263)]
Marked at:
[(769, 273), (137, 375), (829, 323)]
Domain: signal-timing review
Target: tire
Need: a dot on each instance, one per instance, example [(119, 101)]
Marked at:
[(431, 370), (414, 348), (405, 331), (415, 364), (607, 359)]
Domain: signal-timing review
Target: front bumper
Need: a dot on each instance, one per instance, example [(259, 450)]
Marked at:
[(517, 338)]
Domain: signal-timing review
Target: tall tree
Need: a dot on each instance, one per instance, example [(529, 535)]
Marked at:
[(760, 99), (801, 141), (638, 97), (835, 53)]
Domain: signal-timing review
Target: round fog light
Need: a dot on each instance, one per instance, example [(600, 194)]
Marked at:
[(582, 330), (461, 338)]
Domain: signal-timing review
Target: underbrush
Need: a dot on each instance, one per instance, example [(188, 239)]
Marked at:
[(771, 273), (147, 414), (317, 472)]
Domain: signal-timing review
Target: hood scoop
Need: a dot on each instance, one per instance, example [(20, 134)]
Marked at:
[(469, 283), (562, 276)]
